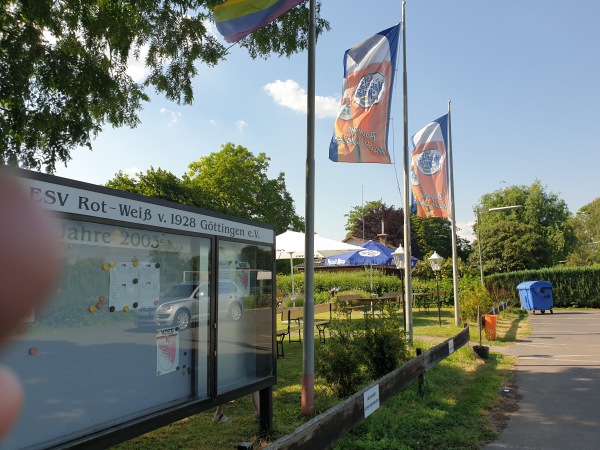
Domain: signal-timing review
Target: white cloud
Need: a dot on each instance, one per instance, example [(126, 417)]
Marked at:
[(136, 67), (290, 95), (465, 230), (211, 28), (132, 171), (172, 115), (241, 125), (212, 122)]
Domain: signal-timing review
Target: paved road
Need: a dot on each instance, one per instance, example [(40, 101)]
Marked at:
[(558, 377)]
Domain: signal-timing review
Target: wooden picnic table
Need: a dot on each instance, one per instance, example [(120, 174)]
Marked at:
[(420, 300), (368, 304), (423, 300)]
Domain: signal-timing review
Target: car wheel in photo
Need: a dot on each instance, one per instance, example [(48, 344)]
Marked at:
[(235, 312), (182, 319)]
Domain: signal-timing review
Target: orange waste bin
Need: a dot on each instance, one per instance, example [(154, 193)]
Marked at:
[(490, 326)]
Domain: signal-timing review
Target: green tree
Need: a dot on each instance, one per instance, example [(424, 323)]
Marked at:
[(64, 66), (157, 183), (435, 234), (586, 225), (427, 234), (374, 216), (234, 181), (511, 246), (544, 235)]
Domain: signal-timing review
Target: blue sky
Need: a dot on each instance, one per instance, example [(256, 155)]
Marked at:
[(522, 78)]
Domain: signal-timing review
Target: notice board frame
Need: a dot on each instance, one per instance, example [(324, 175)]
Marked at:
[(87, 203)]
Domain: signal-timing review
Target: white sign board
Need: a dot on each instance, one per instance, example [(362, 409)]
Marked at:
[(371, 400), (96, 204)]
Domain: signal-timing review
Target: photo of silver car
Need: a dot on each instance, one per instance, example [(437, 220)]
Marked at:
[(188, 302)]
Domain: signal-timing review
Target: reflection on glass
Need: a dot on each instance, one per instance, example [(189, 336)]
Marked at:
[(244, 345)]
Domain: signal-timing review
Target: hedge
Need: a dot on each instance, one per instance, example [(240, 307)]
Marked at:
[(571, 286)]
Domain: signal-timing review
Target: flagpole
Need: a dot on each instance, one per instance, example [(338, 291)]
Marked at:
[(452, 213), (308, 366), (407, 249)]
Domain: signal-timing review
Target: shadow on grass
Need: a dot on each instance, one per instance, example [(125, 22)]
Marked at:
[(511, 326)]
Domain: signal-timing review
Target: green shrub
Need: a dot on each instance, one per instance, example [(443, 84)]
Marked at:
[(344, 281), (338, 362), (361, 351), (289, 303), (471, 299), (384, 346)]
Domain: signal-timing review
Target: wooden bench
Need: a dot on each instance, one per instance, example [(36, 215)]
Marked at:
[(295, 322), (392, 295), (376, 306), (321, 324), (281, 333), (293, 317), (424, 300)]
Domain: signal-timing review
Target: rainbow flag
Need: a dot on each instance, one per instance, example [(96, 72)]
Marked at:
[(236, 19)]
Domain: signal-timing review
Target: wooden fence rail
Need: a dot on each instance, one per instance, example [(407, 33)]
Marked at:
[(328, 427)]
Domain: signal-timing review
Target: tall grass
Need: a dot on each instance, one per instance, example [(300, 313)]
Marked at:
[(453, 412)]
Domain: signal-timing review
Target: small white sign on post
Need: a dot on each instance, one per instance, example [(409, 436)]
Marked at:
[(451, 346), (371, 400)]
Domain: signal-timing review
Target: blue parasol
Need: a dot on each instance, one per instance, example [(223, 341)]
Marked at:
[(374, 254)]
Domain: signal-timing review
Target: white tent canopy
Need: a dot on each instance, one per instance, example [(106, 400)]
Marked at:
[(290, 245)]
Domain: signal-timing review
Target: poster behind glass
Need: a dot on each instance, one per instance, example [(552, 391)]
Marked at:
[(118, 336)]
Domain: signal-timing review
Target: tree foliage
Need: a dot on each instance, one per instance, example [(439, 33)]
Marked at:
[(435, 234), (527, 250), (64, 66), (375, 215), (157, 183), (537, 234), (232, 181), (427, 235), (586, 226)]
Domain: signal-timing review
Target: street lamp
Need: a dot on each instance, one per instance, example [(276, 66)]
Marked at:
[(398, 256), (436, 262), (499, 208)]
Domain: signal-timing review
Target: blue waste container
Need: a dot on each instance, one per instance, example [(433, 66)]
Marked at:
[(536, 295)]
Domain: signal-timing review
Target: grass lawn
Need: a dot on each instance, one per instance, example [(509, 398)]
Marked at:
[(511, 323), (461, 395)]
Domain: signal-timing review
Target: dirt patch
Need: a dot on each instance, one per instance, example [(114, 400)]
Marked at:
[(508, 403)]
